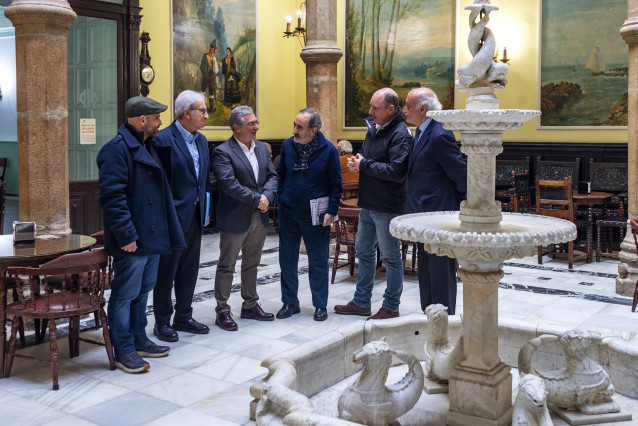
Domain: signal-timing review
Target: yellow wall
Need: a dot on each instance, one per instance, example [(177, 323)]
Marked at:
[(281, 72)]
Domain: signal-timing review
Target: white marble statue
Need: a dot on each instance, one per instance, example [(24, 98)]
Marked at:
[(583, 385), (440, 356), (369, 400), (530, 407), (482, 71)]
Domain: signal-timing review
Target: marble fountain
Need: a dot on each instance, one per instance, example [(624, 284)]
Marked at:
[(481, 238)]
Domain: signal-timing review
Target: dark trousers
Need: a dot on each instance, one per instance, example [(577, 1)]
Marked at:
[(180, 268), (293, 225), (437, 280)]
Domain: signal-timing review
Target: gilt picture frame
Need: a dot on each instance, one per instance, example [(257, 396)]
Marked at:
[(214, 50), (398, 44), (583, 66)]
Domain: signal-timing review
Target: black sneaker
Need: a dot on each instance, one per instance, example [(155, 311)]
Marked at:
[(131, 362), (151, 350)]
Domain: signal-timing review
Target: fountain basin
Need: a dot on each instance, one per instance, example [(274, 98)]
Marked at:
[(297, 375), (519, 235)]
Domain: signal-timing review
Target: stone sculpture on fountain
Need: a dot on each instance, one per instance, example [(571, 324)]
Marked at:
[(583, 384), (440, 356), (530, 407), (369, 400)]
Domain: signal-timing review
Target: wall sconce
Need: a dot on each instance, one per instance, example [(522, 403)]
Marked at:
[(504, 59), (300, 29)]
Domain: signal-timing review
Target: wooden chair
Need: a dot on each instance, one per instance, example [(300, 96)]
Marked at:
[(611, 220), (555, 199), (558, 170), (634, 230), (521, 195), (350, 190), (505, 172), (345, 236), (3, 164), (85, 276), (273, 212)]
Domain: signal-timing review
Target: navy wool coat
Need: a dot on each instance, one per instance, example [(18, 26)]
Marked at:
[(185, 186), (135, 198), (437, 174)]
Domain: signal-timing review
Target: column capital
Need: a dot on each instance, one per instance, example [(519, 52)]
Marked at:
[(27, 14), (629, 30), (324, 51)]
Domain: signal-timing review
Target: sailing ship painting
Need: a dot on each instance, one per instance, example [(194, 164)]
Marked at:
[(596, 63), (577, 32)]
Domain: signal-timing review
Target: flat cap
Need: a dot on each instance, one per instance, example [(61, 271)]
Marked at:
[(140, 105)]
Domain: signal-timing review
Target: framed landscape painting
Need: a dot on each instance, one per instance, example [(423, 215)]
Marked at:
[(215, 52), (584, 64), (401, 44)]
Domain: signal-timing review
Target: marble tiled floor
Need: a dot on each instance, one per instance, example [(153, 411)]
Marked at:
[(206, 379)]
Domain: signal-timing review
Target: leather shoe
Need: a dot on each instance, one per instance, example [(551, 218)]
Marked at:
[(352, 309), (256, 313), (225, 321), (320, 314), (384, 314), (288, 310), (191, 326), (165, 333)]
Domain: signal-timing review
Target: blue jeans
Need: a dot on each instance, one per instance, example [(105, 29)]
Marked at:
[(375, 227), (134, 277), (293, 225)]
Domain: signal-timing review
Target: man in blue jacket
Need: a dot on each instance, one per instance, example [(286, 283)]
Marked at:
[(437, 181), (247, 186), (140, 223), (190, 169), (309, 170), (382, 166)]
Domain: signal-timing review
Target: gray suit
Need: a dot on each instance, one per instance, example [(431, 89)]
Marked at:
[(242, 226)]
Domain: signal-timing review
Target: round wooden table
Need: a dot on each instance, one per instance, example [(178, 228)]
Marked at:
[(32, 255)]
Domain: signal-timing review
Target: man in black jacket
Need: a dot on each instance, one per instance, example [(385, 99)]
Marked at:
[(382, 166)]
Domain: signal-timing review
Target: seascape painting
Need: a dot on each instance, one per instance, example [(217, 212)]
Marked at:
[(401, 44), (584, 64), (215, 53)]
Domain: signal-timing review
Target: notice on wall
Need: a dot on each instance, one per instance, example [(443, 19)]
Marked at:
[(88, 131)]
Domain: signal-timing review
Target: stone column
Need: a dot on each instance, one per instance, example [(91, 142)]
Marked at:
[(41, 28), (628, 268), (321, 56)]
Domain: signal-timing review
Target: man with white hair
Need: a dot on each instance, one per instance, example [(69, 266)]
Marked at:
[(345, 152), (437, 181), (189, 182)]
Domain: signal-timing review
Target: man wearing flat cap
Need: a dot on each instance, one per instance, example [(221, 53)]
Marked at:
[(209, 70), (140, 223)]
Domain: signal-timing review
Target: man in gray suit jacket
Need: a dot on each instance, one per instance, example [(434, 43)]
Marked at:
[(247, 186)]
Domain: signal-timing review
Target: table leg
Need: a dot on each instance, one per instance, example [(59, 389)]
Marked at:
[(590, 221)]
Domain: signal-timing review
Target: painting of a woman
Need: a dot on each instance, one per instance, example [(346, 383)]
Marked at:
[(229, 69)]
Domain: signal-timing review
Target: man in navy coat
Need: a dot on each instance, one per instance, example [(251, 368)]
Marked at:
[(247, 186), (437, 181), (189, 184), (140, 223)]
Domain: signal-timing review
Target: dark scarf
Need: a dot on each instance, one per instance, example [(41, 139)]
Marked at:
[(304, 151)]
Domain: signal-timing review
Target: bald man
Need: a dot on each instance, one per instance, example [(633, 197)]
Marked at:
[(382, 165), (437, 181)]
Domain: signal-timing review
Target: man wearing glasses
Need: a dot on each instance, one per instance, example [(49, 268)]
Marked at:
[(189, 181), (247, 186)]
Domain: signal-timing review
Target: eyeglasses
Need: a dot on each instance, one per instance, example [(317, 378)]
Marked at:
[(202, 110), (251, 124)]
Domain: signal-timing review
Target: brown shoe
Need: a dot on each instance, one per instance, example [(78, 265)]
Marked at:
[(256, 313), (352, 309), (384, 314), (225, 321)]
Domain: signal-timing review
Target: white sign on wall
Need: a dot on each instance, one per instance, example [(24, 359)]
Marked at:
[(88, 131)]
